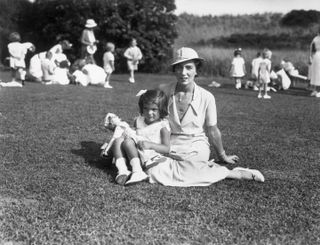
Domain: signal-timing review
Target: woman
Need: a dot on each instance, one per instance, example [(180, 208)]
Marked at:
[(315, 65), (88, 41), (193, 122)]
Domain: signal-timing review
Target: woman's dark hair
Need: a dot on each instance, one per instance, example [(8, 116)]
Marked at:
[(157, 97), (198, 64)]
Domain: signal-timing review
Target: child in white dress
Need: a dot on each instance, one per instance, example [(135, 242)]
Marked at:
[(264, 74), (108, 63), (238, 69), (255, 69), (133, 55), (18, 51), (153, 133)]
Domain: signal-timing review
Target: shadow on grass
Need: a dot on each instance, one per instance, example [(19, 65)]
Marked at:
[(90, 151)]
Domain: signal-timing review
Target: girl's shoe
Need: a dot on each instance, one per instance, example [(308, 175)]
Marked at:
[(122, 178), (256, 174), (318, 95), (266, 96), (259, 96), (137, 177)]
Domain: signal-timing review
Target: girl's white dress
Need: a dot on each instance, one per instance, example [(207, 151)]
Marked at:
[(18, 53), (108, 57), (133, 55), (152, 133), (237, 67), (264, 71)]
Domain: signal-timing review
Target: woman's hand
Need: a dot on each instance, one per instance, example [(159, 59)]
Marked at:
[(232, 159)]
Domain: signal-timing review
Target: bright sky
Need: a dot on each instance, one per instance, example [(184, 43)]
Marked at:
[(234, 7)]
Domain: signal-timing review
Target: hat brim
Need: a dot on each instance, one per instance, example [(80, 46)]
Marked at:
[(184, 60), (90, 25)]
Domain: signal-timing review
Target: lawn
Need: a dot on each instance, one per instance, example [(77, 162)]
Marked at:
[(56, 189)]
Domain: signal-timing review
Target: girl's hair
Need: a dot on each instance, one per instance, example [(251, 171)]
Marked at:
[(14, 37), (109, 46), (266, 54), (157, 97), (237, 51)]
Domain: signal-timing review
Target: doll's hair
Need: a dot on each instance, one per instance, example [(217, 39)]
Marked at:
[(156, 97), (14, 37)]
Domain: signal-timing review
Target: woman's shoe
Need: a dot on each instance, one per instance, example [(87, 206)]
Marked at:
[(256, 174)]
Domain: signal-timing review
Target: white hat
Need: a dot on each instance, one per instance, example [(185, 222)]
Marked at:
[(90, 23), (185, 54)]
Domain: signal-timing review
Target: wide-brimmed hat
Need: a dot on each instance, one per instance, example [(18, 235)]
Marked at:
[(185, 54), (90, 23)]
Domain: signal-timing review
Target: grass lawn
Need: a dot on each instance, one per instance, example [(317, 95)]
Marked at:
[(55, 188)]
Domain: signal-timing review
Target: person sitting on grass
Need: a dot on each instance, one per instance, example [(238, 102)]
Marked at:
[(153, 139)]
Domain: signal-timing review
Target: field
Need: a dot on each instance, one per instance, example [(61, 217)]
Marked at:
[(56, 189)]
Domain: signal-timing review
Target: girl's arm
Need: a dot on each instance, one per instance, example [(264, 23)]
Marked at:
[(112, 64), (162, 148)]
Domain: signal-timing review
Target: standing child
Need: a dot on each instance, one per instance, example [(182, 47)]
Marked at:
[(108, 63), (153, 133), (238, 69), (89, 41), (133, 55), (255, 69), (18, 51), (264, 74)]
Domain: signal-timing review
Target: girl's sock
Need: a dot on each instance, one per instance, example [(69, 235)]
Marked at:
[(121, 166), (136, 165)]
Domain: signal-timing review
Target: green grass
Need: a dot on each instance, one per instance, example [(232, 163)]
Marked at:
[(55, 189)]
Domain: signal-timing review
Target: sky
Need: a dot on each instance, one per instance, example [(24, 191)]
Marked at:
[(234, 7)]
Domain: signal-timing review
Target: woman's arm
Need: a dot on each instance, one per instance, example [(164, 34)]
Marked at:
[(215, 140), (162, 148)]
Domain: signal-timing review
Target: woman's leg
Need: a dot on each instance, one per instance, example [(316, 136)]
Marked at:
[(245, 174)]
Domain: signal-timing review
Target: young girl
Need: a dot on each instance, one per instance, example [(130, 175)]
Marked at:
[(238, 69), (133, 55), (264, 73), (153, 133), (18, 51), (108, 63)]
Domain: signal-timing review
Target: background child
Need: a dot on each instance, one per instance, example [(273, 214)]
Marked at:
[(238, 69), (133, 55), (108, 63), (254, 70), (153, 128), (47, 66), (89, 41), (264, 74), (18, 51)]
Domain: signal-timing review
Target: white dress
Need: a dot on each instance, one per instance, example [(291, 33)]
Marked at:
[(315, 62), (189, 142), (237, 69), (152, 133), (108, 57), (133, 55)]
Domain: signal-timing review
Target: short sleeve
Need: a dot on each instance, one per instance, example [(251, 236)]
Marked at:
[(165, 124), (211, 112)]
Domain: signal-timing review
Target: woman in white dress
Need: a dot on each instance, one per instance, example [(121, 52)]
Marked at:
[(315, 66), (193, 123)]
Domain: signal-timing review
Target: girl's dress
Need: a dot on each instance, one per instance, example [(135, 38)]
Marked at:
[(152, 133), (264, 71), (237, 69), (315, 62), (255, 67), (18, 53), (107, 58), (133, 55), (35, 65), (190, 143)]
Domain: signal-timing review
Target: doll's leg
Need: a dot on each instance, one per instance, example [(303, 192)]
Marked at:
[(132, 153)]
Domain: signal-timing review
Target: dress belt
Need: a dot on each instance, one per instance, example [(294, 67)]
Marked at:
[(183, 134)]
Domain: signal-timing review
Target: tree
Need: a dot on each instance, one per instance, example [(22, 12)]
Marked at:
[(301, 18), (151, 22)]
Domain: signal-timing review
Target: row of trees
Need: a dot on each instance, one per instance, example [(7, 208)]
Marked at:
[(45, 22)]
